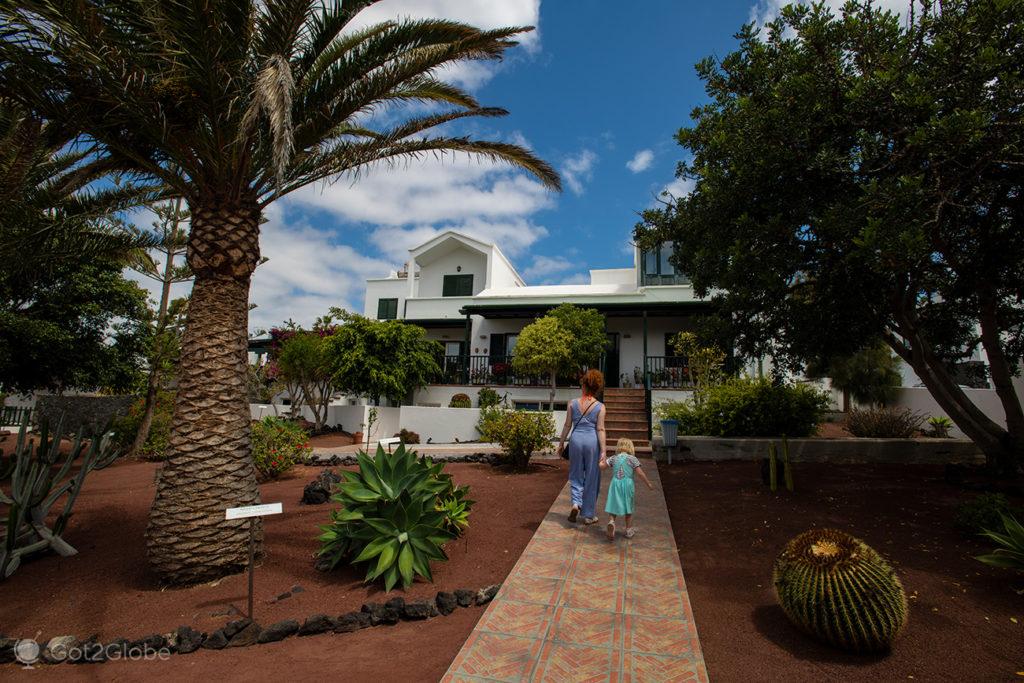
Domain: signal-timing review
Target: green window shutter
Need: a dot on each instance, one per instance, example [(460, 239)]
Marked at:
[(387, 309), (457, 285)]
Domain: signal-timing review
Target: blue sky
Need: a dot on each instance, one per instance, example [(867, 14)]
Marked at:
[(598, 91)]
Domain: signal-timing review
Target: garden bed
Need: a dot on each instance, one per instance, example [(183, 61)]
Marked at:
[(920, 451), (107, 589), (730, 528)]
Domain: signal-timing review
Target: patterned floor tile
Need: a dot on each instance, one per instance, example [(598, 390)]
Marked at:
[(652, 557), (499, 657), (596, 571), (543, 566), (526, 588), (561, 662), (651, 601), (587, 627), (592, 596), (661, 636), (641, 668), (524, 619)]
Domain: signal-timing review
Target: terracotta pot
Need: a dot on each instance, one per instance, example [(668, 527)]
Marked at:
[(357, 438)]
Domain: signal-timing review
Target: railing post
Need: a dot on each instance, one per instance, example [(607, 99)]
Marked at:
[(466, 353)]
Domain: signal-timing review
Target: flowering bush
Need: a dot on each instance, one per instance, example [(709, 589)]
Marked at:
[(277, 444), (158, 441)]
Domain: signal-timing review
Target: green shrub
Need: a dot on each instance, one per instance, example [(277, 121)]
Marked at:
[(397, 513), (518, 432), (940, 426), (127, 426), (744, 406), (408, 437), (1010, 553), (460, 401), (277, 445), (984, 512), (884, 423), (487, 398)]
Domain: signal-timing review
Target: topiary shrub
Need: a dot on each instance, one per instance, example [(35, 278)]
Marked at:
[(518, 432), (277, 445), (837, 589), (884, 423), (408, 436), (983, 512), (460, 401), (746, 406)]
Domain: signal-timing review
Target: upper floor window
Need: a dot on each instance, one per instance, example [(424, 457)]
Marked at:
[(387, 309), (656, 269), (458, 285)]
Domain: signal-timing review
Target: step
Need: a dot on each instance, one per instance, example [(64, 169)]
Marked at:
[(615, 391), (634, 435), (641, 448), (626, 415), (618, 423), (625, 405)]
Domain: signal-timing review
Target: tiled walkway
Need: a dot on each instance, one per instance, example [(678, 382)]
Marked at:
[(578, 607)]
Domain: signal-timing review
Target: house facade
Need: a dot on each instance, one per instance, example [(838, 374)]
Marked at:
[(469, 297)]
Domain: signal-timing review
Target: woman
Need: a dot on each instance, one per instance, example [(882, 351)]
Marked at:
[(585, 418)]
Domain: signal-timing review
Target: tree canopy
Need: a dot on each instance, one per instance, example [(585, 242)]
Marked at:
[(380, 358), (587, 332), (544, 348), (858, 176)]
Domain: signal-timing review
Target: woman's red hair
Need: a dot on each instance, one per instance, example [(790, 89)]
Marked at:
[(592, 382)]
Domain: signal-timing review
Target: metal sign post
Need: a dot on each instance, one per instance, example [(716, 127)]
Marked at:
[(252, 512)]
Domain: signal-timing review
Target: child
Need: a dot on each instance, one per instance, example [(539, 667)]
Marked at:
[(621, 490)]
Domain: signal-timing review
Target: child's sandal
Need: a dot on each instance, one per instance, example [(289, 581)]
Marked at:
[(630, 532), (610, 531)]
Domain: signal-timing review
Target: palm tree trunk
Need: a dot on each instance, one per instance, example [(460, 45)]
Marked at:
[(210, 466)]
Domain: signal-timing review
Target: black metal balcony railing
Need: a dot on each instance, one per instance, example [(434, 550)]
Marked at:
[(15, 415), (491, 370), (668, 372)]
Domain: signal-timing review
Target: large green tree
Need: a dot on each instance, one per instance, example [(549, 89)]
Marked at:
[(232, 104), (856, 175), (589, 334), (379, 358), (544, 348)]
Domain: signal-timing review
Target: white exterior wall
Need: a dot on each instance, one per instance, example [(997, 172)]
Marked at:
[(613, 276), (432, 274), (390, 288), (501, 272), (440, 395)]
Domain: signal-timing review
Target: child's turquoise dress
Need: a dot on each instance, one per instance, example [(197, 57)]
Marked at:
[(621, 491)]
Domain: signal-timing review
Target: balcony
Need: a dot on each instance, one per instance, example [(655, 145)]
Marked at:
[(492, 371), (668, 372)]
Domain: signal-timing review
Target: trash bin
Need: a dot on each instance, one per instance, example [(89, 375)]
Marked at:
[(669, 432), (669, 435)]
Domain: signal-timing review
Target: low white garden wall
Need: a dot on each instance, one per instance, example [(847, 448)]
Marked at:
[(440, 425), (440, 395)]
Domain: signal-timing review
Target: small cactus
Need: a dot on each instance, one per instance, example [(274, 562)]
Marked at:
[(837, 589)]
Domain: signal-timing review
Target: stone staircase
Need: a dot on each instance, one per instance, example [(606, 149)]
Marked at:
[(626, 417)]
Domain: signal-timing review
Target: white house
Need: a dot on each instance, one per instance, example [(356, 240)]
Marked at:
[(469, 296)]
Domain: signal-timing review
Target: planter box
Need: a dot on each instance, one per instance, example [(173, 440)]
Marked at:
[(901, 451)]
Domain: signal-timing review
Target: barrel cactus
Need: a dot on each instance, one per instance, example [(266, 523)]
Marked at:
[(838, 590)]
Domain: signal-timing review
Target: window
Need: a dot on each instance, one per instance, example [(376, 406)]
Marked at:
[(657, 268), (671, 359), (458, 285), (502, 346), (387, 309)]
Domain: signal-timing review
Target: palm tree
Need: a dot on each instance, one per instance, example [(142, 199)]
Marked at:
[(57, 203), (233, 104)]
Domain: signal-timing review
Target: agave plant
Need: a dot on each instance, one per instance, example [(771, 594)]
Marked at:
[(397, 512), (1010, 553)]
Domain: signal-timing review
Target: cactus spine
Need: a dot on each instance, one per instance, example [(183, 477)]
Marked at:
[(837, 589)]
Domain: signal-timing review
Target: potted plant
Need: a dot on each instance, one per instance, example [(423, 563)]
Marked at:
[(940, 427)]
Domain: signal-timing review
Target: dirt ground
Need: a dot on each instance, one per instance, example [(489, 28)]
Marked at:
[(107, 589), (966, 619)]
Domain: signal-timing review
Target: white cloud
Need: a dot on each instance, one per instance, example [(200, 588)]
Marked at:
[(429, 191), (764, 11), (544, 267), (641, 161), (307, 273), (484, 14), (513, 237), (678, 188), (579, 169)]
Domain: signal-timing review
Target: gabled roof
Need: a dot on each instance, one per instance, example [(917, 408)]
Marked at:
[(449, 240)]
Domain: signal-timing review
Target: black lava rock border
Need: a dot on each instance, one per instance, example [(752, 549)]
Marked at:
[(486, 458), (245, 632)]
